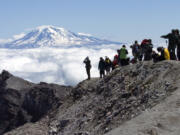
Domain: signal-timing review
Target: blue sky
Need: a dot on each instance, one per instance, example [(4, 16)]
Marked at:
[(119, 20)]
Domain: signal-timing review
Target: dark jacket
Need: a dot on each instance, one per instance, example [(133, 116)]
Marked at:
[(147, 48), (108, 63), (172, 39), (135, 48), (88, 63), (178, 41), (101, 65)]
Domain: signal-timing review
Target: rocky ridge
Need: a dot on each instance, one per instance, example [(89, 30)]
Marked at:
[(98, 106), (23, 102)]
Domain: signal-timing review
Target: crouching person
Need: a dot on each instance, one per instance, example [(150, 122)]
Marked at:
[(164, 54), (155, 56)]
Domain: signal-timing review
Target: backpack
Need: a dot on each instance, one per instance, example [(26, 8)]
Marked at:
[(107, 61), (135, 48), (144, 42)]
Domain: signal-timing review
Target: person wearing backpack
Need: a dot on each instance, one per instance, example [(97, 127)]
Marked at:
[(123, 56), (119, 61), (87, 63), (147, 49), (136, 51), (101, 67), (144, 46), (115, 62), (108, 65)]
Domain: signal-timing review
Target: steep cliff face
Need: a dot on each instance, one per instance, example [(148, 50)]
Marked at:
[(98, 106), (22, 101)]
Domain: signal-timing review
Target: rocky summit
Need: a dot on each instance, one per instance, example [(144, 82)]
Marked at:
[(139, 99)]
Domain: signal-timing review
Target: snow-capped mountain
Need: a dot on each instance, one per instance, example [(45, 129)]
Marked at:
[(50, 36)]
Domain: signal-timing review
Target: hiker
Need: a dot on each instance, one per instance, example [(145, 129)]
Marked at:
[(88, 66), (143, 46), (147, 46), (123, 56), (108, 64), (101, 67), (178, 43), (136, 52), (155, 56), (115, 62), (119, 62), (164, 54), (172, 43)]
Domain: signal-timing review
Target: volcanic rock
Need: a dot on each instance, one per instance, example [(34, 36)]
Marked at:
[(22, 102), (139, 99)]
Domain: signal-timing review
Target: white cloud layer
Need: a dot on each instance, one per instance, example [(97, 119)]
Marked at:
[(54, 65)]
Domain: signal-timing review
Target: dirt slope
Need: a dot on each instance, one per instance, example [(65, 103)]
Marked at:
[(137, 99), (163, 119)]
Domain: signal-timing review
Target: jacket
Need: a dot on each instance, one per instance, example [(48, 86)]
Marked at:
[(166, 54), (123, 53), (101, 65)]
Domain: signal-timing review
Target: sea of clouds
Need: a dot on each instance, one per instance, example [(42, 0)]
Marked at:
[(63, 66)]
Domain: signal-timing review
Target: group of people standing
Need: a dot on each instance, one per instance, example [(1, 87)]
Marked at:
[(105, 65), (140, 52), (144, 51)]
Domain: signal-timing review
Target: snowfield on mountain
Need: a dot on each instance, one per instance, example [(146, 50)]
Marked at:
[(51, 36)]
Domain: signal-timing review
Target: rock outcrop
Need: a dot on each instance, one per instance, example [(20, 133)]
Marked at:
[(112, 105), (22, 102)]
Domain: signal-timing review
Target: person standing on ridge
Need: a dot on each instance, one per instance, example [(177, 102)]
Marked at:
[(172, 43), (136, 51), (144, 47), (123, 56), (178, 44), (118, 53), (101, 67), (87, 63), (115, 62), (147, 46), (108, 65)]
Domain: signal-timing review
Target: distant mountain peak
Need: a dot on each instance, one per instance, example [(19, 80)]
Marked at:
[(50, 29), (51, 36)]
